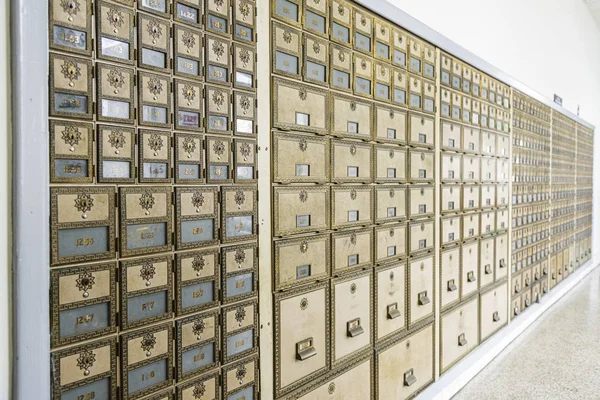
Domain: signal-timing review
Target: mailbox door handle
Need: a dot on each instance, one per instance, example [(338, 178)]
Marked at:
[(462, 340), (409, 378), (517, 311), (354, 328), (452, 286), (305, 349), (423, 299), (392, 311), (496, 316), (471, 277), (488, 269)]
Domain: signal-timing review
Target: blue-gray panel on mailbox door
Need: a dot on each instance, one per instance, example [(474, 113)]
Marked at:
[(147, 306), (240, 284), (147, 376), (198, 358), (239, 226), (99, 390), (146, 235), (83, 241), (240, 342), (244, 394), (198, 294), (197, 231), (70, 168), (85, 319)]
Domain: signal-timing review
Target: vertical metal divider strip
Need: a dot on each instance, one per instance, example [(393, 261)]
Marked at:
[(551, 255), (437, 202), (265, 290), (510, 205), (31, 201)]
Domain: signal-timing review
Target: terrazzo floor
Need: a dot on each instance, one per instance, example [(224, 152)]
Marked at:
[(556, 358)]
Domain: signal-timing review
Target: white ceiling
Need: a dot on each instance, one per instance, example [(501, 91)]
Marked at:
[(594, 6)]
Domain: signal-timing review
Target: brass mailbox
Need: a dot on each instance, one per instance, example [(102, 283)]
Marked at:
[(300, 158), (189, 158), (400, 85), (287, 50), (301, 261), (70, 87), (300, 209), (84, 370), (390, 301), (351, 117), (383, 82), (146, 291), (241, 380), (116, 154), (189, 12), (146, 361), (351, 250), (244, 20), (315, 62), (390, 243), (218, 110), (219, 158), (315, 18), (197, 344), (429, 61), (244, 161), (390, 124), (145, 220), (421, 293), (196, 217), (421, 130), (446, 70), (71, 152), (429, 102), (300, 107), (240, 330), (83, 302), (114, 33), (352, 162), (363, 31), (341, 22), (154, 44), (218, 19), (244, 113), (415, 55), (206, 387), (383, 40), (421, 236), (238, 213), (154, 100), (351, 206), (421, 201), (83, 224), (197, 281), (302, 334), (155, 156), (341, 68), (239, 272), (400, 47), (218, 60), (363, 75), (71, 26), (289, 11), (189, 107), (415, 92), (244, 67), (187, 52), (451, 198), (390, 164), (421, 166), (390, 203), (116, 98)]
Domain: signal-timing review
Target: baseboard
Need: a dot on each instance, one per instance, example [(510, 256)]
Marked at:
[(458, 376)]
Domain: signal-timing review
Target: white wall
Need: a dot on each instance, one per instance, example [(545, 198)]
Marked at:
[(551, 46)]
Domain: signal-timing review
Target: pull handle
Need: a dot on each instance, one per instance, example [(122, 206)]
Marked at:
[(517, 311), (423, 299), (392, 311), (527, 281), (462, 340), (354, 328), (305, 349), (488, 269), (496, 316), (409, 378), (527, 302), (452, 286), (471, 277), (502, 263), (517, 288)]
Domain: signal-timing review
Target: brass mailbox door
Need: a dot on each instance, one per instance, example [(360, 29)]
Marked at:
[(154, 44), (70, 87), (351, 250), (114, 33), (301, 261), (155, 156), (188, 52), (189, 158), (154, 100), (239, 210), (470, 268), (241, 379), (189, 107), (390, 204), (116, 154), (390, 124), (239, 324), (71, 152), (196, 216), (390, 301), (146, 291), (299, 158), (197, 281), (239, 272), (450, 282), (315, 64), (197, 344), (207, 384), (188, 11)]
